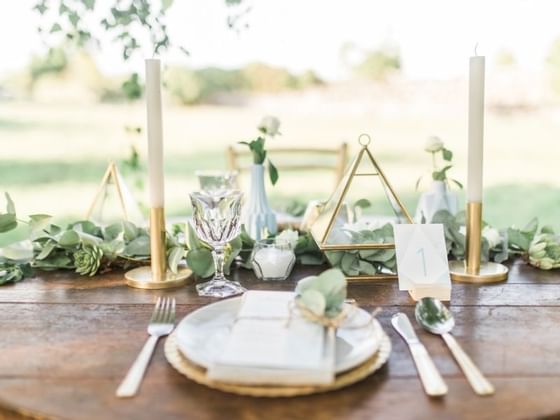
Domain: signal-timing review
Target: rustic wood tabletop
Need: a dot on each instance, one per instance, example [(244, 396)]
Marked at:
[(67, 342)]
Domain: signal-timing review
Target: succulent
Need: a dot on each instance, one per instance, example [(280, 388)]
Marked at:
[(87, 260), (544, 251), (11, 271)]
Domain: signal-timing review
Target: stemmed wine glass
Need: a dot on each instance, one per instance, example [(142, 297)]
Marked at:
[(217, 221)]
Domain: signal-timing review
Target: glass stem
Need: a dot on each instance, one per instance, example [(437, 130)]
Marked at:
[(218, 254)]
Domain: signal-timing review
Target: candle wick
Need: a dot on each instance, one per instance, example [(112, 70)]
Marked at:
[(475, 47)]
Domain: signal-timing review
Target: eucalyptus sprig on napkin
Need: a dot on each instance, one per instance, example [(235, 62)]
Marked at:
[(323, 295)]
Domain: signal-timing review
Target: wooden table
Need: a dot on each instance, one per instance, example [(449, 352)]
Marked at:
[(67, 341)]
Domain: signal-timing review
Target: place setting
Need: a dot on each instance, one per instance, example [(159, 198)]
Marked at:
[(313, 339)]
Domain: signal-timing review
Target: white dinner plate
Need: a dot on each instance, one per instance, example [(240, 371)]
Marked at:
[(202, 334)]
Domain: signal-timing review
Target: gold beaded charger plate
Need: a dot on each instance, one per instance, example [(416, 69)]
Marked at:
[(197, 373)]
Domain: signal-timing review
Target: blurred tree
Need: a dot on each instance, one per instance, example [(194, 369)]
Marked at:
[(379, 64), (553, 65), (309, 79), (54, 62), (198, 86), (132, 88), (265, 78), (504, 58)]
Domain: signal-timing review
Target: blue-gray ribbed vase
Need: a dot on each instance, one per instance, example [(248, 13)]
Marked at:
[(258, 216)]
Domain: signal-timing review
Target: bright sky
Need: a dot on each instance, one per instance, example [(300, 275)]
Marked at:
[(435, 37)]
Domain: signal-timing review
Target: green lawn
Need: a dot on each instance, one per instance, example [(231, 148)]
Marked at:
[(54, 155)]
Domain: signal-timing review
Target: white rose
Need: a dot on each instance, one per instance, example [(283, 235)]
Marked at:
[(433, 145), (492, 235), (463, 230), (288, 235), (270, 126)]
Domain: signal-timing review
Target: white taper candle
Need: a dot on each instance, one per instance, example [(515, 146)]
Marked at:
[(476, 129), (155, 132)]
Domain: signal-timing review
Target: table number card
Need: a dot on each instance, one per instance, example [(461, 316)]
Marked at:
[(422, 261)]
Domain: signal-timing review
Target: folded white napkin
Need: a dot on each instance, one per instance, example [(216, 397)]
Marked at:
[(265, 349)]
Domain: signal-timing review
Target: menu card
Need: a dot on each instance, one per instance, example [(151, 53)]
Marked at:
[(269, 345)]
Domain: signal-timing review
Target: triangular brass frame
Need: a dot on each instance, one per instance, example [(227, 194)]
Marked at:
[(320, 234), (113, 175)]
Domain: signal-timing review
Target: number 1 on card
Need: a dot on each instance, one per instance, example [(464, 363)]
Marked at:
[(421, 252)]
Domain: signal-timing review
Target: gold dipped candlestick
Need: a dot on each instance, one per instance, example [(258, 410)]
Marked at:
[(472, 270), (157, 275)]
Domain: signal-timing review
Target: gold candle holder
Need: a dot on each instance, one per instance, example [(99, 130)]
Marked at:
[(157, 276), (472, 270)]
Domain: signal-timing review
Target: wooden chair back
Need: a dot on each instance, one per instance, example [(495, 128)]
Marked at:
[(337, 158)]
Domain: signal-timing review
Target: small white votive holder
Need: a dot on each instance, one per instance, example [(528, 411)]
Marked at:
[(273, 259)]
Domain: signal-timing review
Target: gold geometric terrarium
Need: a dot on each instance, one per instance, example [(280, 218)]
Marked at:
[(355, 226), (114, 200)]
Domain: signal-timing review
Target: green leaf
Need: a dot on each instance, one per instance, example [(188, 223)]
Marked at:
[(347, 262), (362, 203), (441, 175), (176, 254), (418, 183), (54, 263), (87, 227), (457, 183), (310, 259), (519, 239), (314, 301), (112, 231), (331, 284), (166, 4), (7, 222), (139, 247), (447, 154), (367, 268), (272, 172), (532, 226), (192, 240), (130, 230), (68, 239), (200, 261), (18, 251), (335, 257), (10, 206), (55, 28), (547, 229), (46, 251), (39, 222), (90, 4), (54, 230)]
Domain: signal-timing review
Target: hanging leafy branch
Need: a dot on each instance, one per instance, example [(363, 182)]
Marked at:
[(129, 21), (132, 23)]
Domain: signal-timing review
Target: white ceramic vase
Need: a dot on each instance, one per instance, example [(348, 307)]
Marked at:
[(438, 197), (258, 216)]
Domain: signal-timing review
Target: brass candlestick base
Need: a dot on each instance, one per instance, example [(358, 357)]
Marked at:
[(488, 272), (141, 278), (472, 270), (157, 276)]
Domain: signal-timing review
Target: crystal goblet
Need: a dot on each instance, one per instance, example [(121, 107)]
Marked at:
[(216, 219), (217, 182)]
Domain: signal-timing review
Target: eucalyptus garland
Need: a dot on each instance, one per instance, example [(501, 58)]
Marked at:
[(90, 249)]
